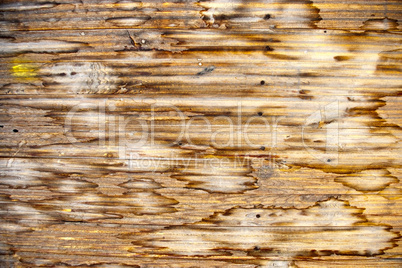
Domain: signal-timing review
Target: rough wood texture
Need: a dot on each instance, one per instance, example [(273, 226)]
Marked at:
[(216, 133)]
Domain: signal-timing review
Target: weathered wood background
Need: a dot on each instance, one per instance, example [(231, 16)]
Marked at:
[(210, 133)]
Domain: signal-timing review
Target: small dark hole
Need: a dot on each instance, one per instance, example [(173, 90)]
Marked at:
[(258, 216), (180, 143), (15, 130), (63, 74), (1, 126), (262, 148), (256, 248), (267, 17), (73, 73), (325, 31), (328, 160), (260, 113), (268, 48), (262, 82)]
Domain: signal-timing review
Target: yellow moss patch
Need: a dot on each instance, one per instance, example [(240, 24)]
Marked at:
[(23, 69)]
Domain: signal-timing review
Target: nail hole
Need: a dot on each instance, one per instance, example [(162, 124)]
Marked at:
[(15, 130), (328, 160), (73, 73), (260, 113), (256, 248), (268, 48), (262, 148), (325, 31), (262, 82), (180, 143), (258, 216), (267, 17)]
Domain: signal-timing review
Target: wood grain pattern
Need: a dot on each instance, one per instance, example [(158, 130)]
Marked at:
[(216, 133)]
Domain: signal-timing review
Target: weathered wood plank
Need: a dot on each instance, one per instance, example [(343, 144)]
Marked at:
[(194, 14), (200, 133), (122, 250)]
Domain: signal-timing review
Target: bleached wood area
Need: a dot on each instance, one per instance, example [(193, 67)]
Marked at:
[(210, 133)]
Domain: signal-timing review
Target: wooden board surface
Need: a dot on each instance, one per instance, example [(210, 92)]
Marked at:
[(216, 133)]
